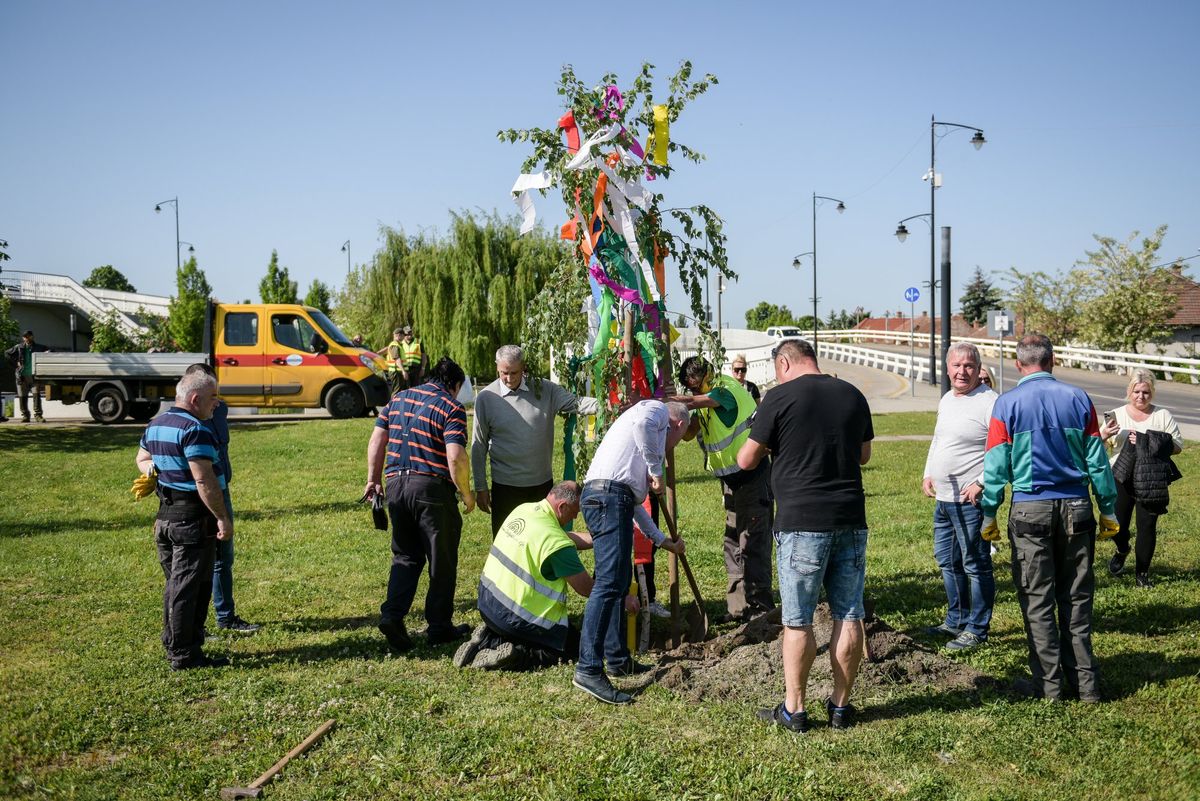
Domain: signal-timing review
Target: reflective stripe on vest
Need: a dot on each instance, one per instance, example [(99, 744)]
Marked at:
[(721, 443), (512, 575), (410, 353), (393, 353)]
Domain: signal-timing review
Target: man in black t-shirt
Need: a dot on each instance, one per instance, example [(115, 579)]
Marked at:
[(818, 431)]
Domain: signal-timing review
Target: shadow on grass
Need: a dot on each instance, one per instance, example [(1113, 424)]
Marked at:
[(71, 440), (1150, 620), (70, 524), (365, 644), (241, 513), (1124, 675), (945, 701)]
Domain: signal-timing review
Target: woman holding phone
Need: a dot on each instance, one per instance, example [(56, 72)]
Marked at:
[(1121, 429)]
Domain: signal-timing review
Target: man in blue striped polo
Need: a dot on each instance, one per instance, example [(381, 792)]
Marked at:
[(192, 516)]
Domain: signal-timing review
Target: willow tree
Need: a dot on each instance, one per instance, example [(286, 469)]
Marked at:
[(622, 234)]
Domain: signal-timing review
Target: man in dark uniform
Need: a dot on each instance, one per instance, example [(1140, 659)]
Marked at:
[(420, 445), (184, 453), (20, 356)]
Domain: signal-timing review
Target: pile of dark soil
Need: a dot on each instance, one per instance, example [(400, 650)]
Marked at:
[(745, 665)]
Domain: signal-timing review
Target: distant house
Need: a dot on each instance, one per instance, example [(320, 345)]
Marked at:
[(1185, 325), (920, 325)]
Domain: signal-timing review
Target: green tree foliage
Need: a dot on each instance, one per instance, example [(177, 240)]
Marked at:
[(8, 326), (185, 317), (156, 336), (318, 297), (1129, 299), (108, 337), (276, 287), (1046, 304), (980, 298), (843, 319), (108, 277), (766, 314), (464, 294)]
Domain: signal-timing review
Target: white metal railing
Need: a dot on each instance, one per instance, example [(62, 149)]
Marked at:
[(46, 288), (916, 369), (130, 302), (1068, 356)]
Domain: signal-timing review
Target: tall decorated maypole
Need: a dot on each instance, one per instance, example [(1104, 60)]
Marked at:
[(603, 313)]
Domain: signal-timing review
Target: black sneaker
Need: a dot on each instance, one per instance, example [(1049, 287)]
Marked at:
[(797, 721), (943, 630), (1116, 565), (630, 668), (600, 688), (454, 634), (465, 655), (396, 634), (840, 717), (238, 625), (1143, 580), (202, 661)]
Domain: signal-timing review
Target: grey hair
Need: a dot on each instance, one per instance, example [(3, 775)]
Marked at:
[(191, 383), (1035, 350), (566, 491), (1140, 376), (965, 348), (677, 411), (510, 354)]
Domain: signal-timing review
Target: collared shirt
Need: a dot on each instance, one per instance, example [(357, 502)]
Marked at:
[(633, 449), (420, 423), (516, 427), (175, 438), (955, 458)]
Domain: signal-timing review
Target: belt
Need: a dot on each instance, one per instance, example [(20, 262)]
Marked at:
[(608, 485), (416, 474)]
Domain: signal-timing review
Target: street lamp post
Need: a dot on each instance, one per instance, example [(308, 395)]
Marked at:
[(190, 246), (158, 208), (902, 234), (841, 207), (346, 250), (796, 264), (978, 141)]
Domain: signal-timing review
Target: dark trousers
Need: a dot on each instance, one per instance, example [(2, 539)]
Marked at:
[(396, 381), (426, 527), (222, 584), (1147, 526), (506, 497), (1053, 544), (531, 655), (749, 519), (608, 511), (25, 387), (185, 552)]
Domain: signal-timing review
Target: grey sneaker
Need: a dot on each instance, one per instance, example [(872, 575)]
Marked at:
[(942, 630), (965, 641), (505, 655), (466, 652)]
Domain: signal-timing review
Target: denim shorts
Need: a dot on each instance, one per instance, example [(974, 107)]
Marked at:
[(810, 559)]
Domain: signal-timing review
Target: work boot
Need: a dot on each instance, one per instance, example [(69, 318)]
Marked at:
[(39, 418), (1143, 580), (505, 655), (600, 688), (396, 634), (465, 655), (840, 717), (1116, 565), (796, 721), (454, 634), (24, 418)]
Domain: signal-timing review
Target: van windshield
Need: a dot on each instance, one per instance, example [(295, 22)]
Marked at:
[(330, 330), (790, 332)]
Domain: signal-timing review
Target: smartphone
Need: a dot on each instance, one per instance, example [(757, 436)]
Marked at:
[(1109, 417)]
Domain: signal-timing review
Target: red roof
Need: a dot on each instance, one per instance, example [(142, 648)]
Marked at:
[(1189, 301), (958, 326)]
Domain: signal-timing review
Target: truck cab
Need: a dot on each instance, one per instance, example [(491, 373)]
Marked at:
[(276, 355)]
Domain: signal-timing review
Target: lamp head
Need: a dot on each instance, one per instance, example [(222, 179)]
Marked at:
[(901, 232), (978, 140), (157, 209), (796, 262), (841, 207)]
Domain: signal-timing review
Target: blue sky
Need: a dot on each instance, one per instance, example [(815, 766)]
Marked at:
[(296, 126)]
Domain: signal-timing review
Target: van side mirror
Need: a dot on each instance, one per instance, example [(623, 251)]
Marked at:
[(318, 344)]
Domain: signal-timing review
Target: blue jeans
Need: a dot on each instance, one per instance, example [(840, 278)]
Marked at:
[(966, 562), (608, 511), (222, 582), (809, 560)]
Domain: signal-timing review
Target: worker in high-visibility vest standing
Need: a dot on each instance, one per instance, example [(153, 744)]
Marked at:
[(392, 359), (413, 359), (724, 411)]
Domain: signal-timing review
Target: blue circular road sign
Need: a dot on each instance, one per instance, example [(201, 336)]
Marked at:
[(912, 294)]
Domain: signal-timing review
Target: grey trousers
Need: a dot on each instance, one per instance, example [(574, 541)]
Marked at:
[(749, 518), (1053, 545)]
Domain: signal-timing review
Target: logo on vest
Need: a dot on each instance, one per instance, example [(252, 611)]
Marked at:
[(515, 528)]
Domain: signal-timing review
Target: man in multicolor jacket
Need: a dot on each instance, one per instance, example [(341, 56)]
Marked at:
[(1044, 439)]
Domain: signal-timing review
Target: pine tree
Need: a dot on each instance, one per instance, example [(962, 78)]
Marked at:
[(276, 287), (980, 298)]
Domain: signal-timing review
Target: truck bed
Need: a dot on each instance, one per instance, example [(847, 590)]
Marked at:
[(58, 366)]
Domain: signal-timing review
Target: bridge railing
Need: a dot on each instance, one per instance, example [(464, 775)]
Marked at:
[(48, 288)]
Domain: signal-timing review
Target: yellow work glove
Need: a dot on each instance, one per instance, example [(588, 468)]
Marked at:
[(1108, 527), (144, 485), (990, 531)]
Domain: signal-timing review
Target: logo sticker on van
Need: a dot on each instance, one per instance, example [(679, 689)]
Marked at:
[(295, 359)]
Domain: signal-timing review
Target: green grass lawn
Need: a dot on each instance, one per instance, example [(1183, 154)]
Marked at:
[(88, 708)]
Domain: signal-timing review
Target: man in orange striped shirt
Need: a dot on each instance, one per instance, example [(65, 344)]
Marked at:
[(419, 445)]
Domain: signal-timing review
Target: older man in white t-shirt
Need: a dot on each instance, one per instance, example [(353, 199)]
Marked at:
[(954, 477)]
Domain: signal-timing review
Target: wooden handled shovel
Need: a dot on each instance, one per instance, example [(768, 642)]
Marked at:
[(255, 788), (697, 618)]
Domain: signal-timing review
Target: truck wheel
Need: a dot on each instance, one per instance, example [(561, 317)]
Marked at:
[(142, 411), (107, 405), (345, 400)]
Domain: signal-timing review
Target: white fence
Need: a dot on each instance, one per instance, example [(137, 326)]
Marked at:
[(46, 288)]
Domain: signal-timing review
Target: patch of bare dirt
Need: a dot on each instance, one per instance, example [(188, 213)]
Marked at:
[(745, 665)]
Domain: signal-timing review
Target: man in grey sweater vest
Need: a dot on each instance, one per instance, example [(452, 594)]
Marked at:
[(954, 476), (514, 423)]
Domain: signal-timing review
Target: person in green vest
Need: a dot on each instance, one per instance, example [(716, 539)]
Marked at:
[(413, 359), (523, 589), (723, 411)]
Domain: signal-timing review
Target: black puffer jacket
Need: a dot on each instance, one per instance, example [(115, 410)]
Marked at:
[(1149, 465)]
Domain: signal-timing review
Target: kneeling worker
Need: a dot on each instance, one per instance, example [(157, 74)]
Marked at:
[(523, 590)]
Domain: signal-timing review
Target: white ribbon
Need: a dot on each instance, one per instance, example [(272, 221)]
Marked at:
[(524, 184)]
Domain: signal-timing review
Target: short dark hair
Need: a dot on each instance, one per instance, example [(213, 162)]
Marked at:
[(447, 373), (566, 490), (695, 368), (794, 349), (200, 367), (1035, 349)]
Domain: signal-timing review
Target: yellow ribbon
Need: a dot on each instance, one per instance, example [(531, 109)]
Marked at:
[(661, 136)]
